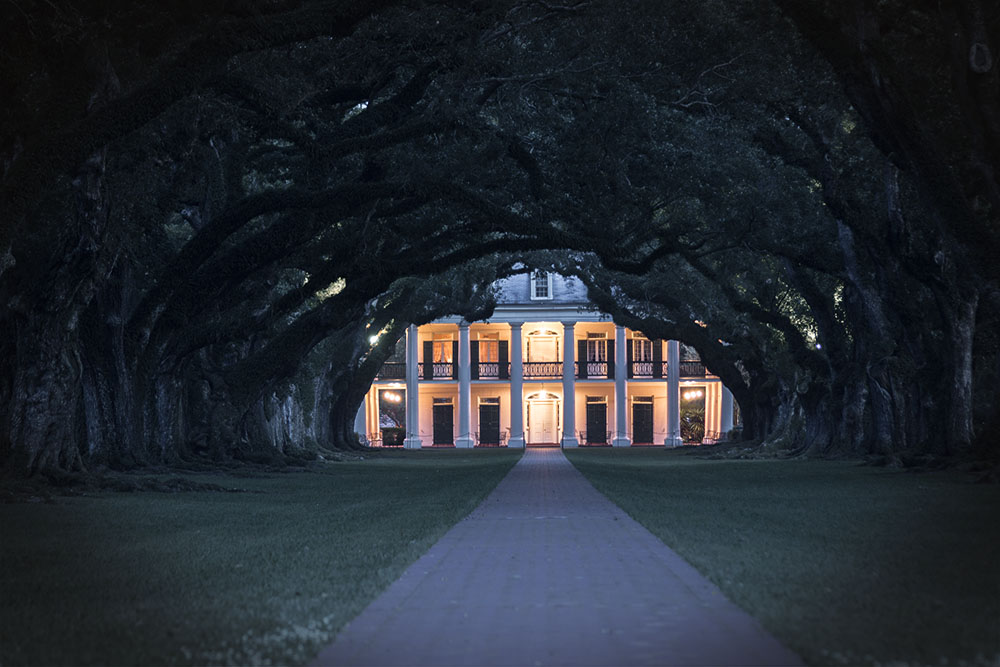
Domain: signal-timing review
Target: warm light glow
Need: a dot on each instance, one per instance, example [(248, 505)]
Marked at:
[(391, 396), (694, 393), (373, 339)]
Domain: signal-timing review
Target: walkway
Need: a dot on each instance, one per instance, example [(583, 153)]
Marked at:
[(547, 571)]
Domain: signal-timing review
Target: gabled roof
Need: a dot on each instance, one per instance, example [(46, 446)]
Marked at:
[(516, 290)]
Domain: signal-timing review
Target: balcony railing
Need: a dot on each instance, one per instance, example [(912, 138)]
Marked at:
[(693, 369), (444, 371), (396, 370), (644, 369), (392, 370), (543, 369), (490, 370), (596, 370), (688, 369)]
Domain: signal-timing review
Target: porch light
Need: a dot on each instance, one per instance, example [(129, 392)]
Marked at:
[(693, 393), (392, 396)]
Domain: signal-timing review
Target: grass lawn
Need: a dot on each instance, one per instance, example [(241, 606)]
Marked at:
[(845, 564), (262, 577)]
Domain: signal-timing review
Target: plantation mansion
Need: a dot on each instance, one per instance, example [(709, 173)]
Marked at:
[(545, 369)]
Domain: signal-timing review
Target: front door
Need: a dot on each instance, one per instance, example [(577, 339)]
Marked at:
[(542, 422), (444, 425), (597, 423), (489, 423), (642, 422)]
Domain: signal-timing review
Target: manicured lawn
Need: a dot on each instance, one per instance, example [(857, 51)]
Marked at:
[(266, 576), (845, 564)]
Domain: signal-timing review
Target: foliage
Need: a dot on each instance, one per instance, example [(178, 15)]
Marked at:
[(208, 214)]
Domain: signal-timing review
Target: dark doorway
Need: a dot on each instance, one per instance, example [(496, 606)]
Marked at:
[(444, 423), (489, 421), (642, 421), (597, 421)]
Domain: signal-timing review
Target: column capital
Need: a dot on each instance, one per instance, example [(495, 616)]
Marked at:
[(516, 325), (570, 324), (463, 325)]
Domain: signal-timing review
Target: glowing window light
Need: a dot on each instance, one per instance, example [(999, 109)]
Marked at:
[(693, 393)]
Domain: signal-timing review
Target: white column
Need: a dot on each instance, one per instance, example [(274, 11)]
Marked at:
[(726, 424), (673, 438), (569, 387), (621, 414), (360, 425), (464, 388), (413, 440), (516, 388)]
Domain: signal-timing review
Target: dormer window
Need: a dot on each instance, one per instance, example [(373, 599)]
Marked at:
[(541, 285)]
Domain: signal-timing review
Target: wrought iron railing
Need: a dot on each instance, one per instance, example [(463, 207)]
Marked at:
[(543, 369), (691, 369), (642, 369), (392, 370), (489, 370), (443, 371), (597, 369), (396, 370)]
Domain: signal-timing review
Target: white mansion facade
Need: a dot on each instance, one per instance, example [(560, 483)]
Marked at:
[(545, 369)]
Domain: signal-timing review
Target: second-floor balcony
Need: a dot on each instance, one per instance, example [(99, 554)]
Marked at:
[(536, 370), (392, 370), (658, 369), (542, 369), (693, 369)]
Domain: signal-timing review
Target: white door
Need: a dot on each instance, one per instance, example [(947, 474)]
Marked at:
[(543, 348), (542, 422)]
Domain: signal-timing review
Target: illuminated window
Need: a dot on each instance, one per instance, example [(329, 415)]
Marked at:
[(489, 348), (642, 349), (597, 347), (443, 350)]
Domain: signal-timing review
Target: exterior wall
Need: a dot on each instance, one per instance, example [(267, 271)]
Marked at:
[(495, 388), (567, 306)]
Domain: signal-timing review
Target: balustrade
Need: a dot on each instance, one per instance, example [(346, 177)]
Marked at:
[(444, 371), (392, 370), (542, 369), (490, 370), (597, 369), (396, 370), (693, 369)]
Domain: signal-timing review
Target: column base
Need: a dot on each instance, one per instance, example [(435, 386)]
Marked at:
[(570, 441), (516, 443), (673, 442), (464, 443), (621, 442), (413, 443)]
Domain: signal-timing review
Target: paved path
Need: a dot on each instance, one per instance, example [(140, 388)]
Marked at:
[(547, 571)]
